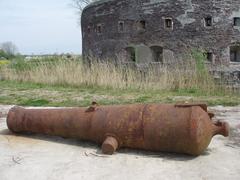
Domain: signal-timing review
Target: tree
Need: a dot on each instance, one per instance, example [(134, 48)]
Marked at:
[(9, 48), (3, 55), (80, 4)]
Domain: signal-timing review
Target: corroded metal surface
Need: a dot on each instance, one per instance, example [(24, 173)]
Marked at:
[(181, 128)]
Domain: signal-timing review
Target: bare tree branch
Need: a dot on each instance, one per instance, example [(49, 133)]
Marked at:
[(80, 4)]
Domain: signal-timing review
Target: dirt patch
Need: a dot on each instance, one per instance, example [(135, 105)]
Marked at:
[(234, 138)]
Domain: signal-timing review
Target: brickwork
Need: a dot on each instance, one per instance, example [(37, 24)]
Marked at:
[(111, 27)]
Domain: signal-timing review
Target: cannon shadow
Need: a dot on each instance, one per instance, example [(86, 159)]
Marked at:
[(88, 144)]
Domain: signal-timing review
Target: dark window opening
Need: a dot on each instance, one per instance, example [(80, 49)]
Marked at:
[(236, 21), (208, 21), (235, 53), (131, 55), (99, 28), (168, 23), (209, 56), (89, 29), (120, 26), (142, 24), (157, 53)]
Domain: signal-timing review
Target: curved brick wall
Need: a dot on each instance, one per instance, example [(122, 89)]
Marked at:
[(161, 30)]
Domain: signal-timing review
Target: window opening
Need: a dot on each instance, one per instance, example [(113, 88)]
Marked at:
[(142, 24), (168, 23), (131, 55), (208, 21), (209, 56), (157, 53), (235, 53), (99, 28), (236, 21), (121, 26), (89, 29)]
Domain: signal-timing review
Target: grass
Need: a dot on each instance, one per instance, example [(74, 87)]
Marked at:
[(36, 94), (60, 82), (107, 75)]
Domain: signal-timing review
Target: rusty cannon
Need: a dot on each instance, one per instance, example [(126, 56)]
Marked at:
[(180, 128)]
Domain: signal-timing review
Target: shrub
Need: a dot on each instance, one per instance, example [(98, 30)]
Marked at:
[(4, 62)]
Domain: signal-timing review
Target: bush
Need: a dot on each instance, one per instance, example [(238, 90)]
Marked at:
[(200, 59), (4, 62), (5, 55)]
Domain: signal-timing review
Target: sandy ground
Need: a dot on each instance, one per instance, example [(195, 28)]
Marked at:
[(39, 157)]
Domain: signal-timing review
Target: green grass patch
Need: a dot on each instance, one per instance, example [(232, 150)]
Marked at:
[(35, 102), (33, 94), (4, 62)]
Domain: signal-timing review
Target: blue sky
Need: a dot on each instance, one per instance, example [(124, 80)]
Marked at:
[(40, 27)]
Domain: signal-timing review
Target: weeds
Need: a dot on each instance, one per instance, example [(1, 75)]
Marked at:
[(188, 76)]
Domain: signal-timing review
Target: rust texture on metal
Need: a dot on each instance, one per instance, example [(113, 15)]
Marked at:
[(181, 128)]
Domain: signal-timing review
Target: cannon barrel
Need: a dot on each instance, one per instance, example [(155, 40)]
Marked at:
[(180, 128)]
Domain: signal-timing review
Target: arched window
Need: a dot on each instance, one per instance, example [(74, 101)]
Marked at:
[(131, 54), (157, 53)]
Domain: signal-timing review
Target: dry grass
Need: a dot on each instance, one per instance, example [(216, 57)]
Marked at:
[(75, 73)]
